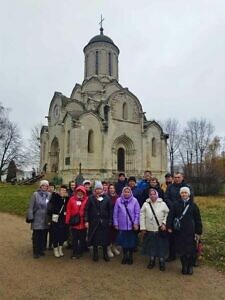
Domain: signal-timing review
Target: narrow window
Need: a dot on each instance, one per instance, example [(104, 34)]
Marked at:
[(125, 111), (90, 141), (96, 62), (86, 65), (110, 64), (68, 141), (153, 147), (121, 159)]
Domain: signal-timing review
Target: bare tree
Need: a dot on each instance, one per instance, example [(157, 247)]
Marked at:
[(172, 127), (34, 146), (10, 146), (196, 139)]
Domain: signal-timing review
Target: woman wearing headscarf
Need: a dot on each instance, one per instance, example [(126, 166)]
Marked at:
[(186, 214), (76, 205), (153, 218), (37, 216), (98, 218), (126, 219)]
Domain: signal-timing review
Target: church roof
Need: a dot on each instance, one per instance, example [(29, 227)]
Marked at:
[(101, 38)]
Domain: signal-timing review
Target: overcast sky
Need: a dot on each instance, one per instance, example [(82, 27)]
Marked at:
[(172, 55)]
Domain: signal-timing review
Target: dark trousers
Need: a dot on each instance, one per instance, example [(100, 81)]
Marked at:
[(79, 240), (39, 241), (58, 234)]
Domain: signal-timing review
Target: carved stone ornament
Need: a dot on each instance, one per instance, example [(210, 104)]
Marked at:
[(92, 104)]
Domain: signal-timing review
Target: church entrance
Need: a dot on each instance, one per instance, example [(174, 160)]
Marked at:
[(54, 155), (121, 160)]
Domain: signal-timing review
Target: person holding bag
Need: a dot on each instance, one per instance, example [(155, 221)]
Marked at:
[(75, 218), (37, 216), (153, 218), (57, 212), (189, 229), (126, 219)]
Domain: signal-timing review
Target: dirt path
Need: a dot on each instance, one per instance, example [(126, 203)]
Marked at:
[(22, 277)]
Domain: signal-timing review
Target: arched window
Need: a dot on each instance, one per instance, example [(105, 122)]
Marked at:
[(153, 147), (110, 64), (125, 111), (96, 62), (90, 141), (68, 142), (121, 160)]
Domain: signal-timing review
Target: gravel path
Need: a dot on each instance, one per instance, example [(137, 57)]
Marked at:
[(22, 277)]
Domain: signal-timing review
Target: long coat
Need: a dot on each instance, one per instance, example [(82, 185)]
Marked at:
[(37, 211), (99, 216), (120, 215), (191, 224), (57, 205)]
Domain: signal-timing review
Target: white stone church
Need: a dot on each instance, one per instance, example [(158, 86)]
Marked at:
[(101, 125)]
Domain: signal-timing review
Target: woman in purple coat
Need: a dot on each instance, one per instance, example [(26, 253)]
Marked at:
[(126, 218)]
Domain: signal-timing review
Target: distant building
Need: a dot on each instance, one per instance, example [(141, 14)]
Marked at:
[(101, 125)]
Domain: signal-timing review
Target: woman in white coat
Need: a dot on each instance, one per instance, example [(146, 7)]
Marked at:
[(153, 218)]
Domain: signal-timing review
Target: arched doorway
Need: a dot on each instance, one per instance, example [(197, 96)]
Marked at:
[(121, 160), (54, 155)]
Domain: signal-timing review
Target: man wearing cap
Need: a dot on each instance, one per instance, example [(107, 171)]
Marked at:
[(98, 219), (168, 181), (137, 193), (121, 183), (37, 216)]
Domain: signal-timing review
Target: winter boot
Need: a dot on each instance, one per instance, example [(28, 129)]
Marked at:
[(125, 257), (190, 265), (115, 250), (95, 253), (109, 252), (162, 266), (60, 251), (183, 260), (105, 254), (56, 252), (130, 257), (151, 263)]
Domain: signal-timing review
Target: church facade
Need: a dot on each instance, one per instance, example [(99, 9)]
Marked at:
[(102, 125)]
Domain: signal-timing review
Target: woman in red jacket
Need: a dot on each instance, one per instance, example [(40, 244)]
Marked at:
[(76, 205)]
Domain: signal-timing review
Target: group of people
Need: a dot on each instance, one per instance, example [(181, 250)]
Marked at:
[(164, 219)]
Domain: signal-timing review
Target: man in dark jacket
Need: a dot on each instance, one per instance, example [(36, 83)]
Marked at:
[(172, 197), (121, 183), (137, 193)]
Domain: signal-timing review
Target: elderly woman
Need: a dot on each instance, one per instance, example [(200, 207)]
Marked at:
[(184, 220), (126, 219), (98, 219), (76, 206), (37, 216), (153, 218)]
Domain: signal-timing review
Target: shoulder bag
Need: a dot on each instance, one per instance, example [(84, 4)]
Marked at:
[(162, 233)]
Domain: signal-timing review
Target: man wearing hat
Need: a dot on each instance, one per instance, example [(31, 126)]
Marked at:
[(168, 181), (87, 185), (98, 218)]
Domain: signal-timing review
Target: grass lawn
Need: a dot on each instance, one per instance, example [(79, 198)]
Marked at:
[(14, 199)]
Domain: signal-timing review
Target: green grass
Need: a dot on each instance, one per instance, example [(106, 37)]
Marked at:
[(213, 213), (15, 199)]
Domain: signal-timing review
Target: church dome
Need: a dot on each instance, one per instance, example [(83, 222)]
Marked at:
[(101, 38)]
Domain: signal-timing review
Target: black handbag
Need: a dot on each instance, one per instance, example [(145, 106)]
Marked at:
[(162, 233), (177, 221), (74, 220)]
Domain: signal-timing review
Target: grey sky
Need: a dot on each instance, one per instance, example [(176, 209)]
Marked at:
[(171, 54)]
